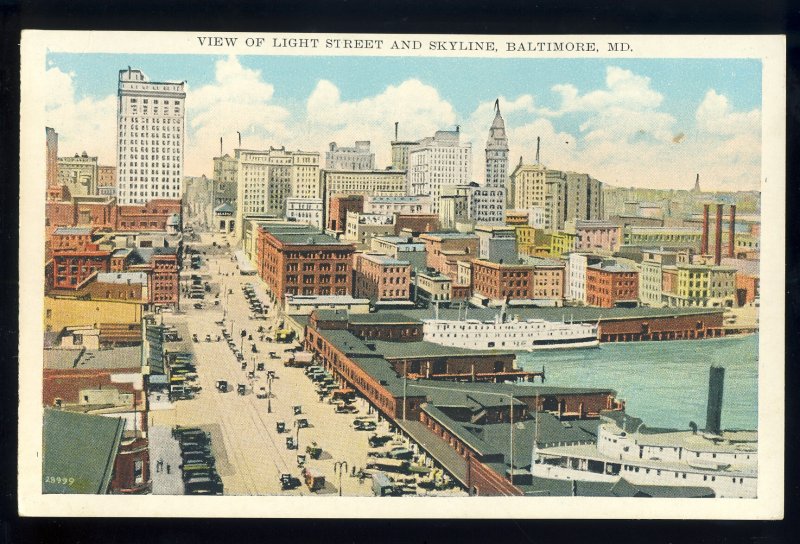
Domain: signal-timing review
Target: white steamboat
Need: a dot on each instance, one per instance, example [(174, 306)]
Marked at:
[(514, 334)]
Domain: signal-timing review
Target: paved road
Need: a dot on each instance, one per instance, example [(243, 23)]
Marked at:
[(249, 452)]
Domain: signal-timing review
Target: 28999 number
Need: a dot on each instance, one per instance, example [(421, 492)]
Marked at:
[(59, 480)]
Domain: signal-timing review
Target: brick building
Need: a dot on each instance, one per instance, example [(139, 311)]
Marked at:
[(611, 284), (102, 212), (415, 223), (338, 208), (445, 249), (595, 235), (536, 279), (381, 278), (303, 261)]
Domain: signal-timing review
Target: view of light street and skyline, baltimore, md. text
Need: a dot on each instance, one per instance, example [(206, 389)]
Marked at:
[(421, 276)]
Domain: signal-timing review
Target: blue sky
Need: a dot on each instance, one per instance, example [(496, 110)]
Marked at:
[(663, 96)]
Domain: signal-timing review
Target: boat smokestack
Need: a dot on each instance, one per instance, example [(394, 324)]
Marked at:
[(704, 238), (732, 232), (716, 381), (718, 236)]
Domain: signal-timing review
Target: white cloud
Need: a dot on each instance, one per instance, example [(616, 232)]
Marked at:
[(87, 124), (619, 133), (418, 108), (238, 100)]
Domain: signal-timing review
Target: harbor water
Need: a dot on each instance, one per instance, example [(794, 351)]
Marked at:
[(663, 383)]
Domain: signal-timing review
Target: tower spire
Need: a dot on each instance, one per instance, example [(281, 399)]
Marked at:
[(497, 105)]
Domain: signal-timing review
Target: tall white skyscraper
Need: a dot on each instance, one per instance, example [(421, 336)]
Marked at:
[(488, 201), (497, 151), (437, 162), (150, 132)]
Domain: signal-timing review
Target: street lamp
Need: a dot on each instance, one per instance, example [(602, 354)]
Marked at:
[(269, 394), (338, 468)]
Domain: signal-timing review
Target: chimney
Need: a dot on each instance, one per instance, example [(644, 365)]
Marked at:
[(396, 124), (220, 146), (704, 238), (732, 232), (537, 150), (718, 236), (716, 381)]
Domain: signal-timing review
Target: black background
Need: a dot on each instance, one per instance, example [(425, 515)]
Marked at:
[(442, 17)]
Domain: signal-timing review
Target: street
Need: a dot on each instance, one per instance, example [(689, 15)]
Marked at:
[(250, 454)]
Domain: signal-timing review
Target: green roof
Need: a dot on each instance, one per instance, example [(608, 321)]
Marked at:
[(79, 452)]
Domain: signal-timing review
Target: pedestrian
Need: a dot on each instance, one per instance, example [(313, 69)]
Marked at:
[(168, 467)]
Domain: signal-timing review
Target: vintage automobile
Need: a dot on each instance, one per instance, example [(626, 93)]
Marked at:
[(342, 408), (222, 386), (241, 389), (314, 451), (289, 482), (262, 392), (364, 425), (280, 426), (376, 440)]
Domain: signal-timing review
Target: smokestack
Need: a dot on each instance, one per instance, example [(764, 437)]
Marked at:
[(716, 381), (704, 238), (220, 146), (240, 139), (396, 124), (537, 150), (718, 236), (732, 232)]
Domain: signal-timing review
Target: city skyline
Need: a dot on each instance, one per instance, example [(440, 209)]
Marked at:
[(627, 123)]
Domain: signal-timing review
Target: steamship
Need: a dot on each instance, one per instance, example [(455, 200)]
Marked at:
[(510, 334), (725, 462)]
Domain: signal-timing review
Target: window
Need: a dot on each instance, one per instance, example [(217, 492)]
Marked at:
[(138, 471)]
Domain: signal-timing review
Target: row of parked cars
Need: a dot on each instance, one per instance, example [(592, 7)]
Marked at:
[(198, 466), (257, 309)]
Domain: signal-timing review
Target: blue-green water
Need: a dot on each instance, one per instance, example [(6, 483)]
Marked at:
[(664, 383)]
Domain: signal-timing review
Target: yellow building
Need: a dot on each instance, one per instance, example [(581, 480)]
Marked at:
[(65, 311), (561, 243)]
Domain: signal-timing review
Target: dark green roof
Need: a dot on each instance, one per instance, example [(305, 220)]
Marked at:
[(79, 451)]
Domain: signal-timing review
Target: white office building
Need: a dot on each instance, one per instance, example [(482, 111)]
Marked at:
[(150, 138), (305, 210), (349, 158), (265, 179), (439, 161)]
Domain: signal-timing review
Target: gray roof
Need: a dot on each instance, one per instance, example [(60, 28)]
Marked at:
[(116, 358), (565, 313), (309, 238), (73, 230), (422, 349), (80, 447), (225, 207)]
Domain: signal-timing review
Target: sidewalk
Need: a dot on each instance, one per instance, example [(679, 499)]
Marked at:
[(164, 448)]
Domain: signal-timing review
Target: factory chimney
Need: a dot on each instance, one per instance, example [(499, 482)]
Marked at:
[(718, 236), (704, 238), (732, 232), (537, 150), (716, 380), (396, 125)]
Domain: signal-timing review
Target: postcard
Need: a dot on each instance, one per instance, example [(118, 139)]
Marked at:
[(372, 275)]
